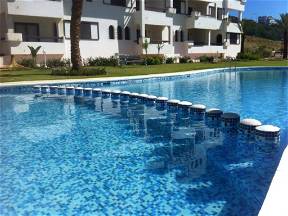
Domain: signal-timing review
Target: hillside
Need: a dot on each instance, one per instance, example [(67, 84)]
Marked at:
[(253, 43)]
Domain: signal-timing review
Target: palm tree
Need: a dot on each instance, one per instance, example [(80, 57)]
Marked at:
[(283, 22), (34, 52), (145, 46), (77, 6)]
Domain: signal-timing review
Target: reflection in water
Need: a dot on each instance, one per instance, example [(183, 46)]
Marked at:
[(180, 142), (193, 162)]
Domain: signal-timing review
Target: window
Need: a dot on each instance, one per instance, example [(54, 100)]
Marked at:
[(219, 39), (30, 31), (138, 35), (233, 38), (137, 5), (115, 2), (85, 31), (219, 13), (176, 35), (111, 32), (88, 30), (119, 33), (181, 36), (127, 33)]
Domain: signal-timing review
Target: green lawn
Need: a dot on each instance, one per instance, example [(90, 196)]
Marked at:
[(45, 74)]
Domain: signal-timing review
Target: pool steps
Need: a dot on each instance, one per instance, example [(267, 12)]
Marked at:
[(268, 136)]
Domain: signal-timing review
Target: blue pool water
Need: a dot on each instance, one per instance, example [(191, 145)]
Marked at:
[(62, 156)]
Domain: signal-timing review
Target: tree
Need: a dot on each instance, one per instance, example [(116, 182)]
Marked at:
[(145, 46), (75, 25), (160, 45), (243, 29), (34, 52), (283, 23)]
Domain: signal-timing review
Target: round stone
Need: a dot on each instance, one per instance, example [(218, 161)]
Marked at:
[(173, 102), (125, 93), (106, 91), (228, 116), (151, 97), (198, 106), (162, 99), (250, 122), (214, 112), (185, 104), (268, 128), (143, 95), (115, 92), (134, 95)]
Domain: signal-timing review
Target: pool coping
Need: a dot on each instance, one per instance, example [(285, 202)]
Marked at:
[(136, 77), (274, 201)]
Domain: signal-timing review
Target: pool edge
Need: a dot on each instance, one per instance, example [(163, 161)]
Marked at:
[(275, 202), (136, 77)]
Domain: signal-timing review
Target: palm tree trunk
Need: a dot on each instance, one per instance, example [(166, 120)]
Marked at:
[(285, 44), (75, 33)]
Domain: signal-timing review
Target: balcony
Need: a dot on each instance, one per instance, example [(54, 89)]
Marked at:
[(51, 45), (199, 48), (39, 8), (199, 21), (238, 5), (13, 37)]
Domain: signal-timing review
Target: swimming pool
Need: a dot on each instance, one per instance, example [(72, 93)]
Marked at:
[(64, 156)]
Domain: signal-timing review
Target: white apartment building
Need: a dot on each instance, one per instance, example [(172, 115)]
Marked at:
[(183, 27)]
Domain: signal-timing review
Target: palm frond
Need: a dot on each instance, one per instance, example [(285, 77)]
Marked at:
[(33, 50)]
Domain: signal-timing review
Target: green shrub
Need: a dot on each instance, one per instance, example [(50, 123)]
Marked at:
[(27, 63), (206, 58), (184, 59), (85, 71), (101, 61), (248, 56), (153, 60), (170, 60), (52, 63), (264, 52)]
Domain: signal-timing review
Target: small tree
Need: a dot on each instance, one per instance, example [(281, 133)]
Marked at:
[(145, 46), (159, 47), (34, 52)]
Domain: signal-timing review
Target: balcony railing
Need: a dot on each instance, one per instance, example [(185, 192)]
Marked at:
[(158, 41), (157, 9), (28, 38), (234, 19)]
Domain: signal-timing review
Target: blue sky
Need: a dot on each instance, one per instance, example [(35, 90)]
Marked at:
[(255, 8)]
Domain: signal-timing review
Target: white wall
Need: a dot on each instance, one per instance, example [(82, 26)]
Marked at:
[(106, 15), (39, 8)]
